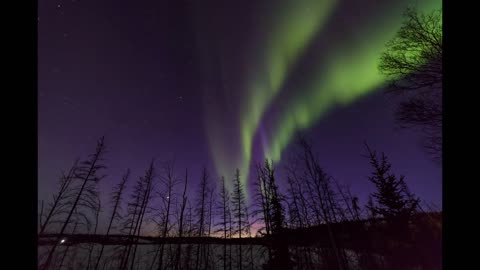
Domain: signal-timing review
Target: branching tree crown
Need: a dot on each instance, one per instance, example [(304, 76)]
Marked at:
[(412, 63)]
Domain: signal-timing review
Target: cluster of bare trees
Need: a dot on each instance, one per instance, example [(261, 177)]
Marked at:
[(314, 199), (154, 201), (308, 227), (316, 223), (75, 203)]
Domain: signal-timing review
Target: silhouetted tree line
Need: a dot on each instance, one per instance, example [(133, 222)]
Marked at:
[(315, 223)]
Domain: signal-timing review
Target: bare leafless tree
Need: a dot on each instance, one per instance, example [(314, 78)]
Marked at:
[(168, 181), (301, 212), (91, 248), (262, 202), (201, 212), (248, 228), (141, 197), (146, 188), (116, 201), (273, 217), (321, 199), (189, 232), (133, 212), (412, 62), (59, 205), (211, 202), (239, 215), (225, 219), (181, 223), (86, 175)]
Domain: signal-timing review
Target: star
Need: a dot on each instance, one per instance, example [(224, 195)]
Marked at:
[(66, 100)]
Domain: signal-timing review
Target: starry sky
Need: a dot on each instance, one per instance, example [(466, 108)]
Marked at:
[(221, 85)]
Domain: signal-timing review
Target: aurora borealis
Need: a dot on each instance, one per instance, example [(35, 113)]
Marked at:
[(286, 34), (347, 75), (343, 72), (220, 84)]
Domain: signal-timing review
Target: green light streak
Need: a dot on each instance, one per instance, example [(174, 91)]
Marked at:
[(350, 73), (293, 29)]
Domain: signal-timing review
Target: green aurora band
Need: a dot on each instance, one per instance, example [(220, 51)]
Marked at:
[(348, 74), (291, 30)]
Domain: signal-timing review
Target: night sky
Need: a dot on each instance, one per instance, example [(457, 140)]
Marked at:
[(221, 84)]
